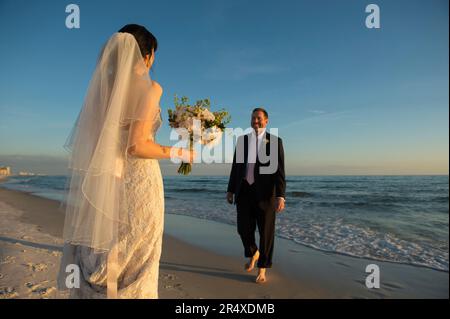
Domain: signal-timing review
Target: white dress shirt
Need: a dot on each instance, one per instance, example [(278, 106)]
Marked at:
[(251, 154)]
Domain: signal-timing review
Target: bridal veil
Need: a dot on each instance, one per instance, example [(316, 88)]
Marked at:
[(118, 96)]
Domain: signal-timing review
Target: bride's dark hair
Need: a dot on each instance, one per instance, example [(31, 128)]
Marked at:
[(145, 39)]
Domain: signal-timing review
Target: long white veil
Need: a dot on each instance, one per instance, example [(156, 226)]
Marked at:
[(118, 97)]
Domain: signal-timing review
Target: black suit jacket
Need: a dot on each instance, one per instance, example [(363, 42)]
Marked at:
[(268, 186)]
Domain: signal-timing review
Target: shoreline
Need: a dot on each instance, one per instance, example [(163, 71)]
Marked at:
[(337, 253), (296, 243), (192, 267)]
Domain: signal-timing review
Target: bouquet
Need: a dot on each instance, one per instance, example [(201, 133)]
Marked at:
[(212, 124)]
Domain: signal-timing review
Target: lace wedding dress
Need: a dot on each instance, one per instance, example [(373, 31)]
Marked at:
[(140, 242)]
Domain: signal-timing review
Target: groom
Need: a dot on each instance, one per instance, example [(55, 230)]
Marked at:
[(257, 184)]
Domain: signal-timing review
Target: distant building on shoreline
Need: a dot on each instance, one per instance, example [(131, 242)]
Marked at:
[(5, 171)]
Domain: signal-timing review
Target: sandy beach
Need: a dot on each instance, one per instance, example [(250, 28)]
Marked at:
[(201, 259)]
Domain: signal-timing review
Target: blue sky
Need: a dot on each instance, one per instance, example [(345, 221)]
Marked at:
[(345, 99)]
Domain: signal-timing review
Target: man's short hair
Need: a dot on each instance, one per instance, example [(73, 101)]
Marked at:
[(260, 109)]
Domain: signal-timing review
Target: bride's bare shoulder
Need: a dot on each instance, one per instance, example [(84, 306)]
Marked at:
[(155, 94), (157, 87)]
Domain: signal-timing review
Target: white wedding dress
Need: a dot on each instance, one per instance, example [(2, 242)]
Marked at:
[(140, 242)]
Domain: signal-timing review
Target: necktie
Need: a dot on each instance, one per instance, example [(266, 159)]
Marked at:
[(251, 166)]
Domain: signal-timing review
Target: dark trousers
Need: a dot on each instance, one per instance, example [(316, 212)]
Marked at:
[(250, 215)]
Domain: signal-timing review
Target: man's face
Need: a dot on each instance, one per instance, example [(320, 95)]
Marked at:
[(259, 121)]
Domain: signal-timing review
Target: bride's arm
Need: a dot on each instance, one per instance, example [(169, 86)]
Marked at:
[(141, 146), (150, 149)]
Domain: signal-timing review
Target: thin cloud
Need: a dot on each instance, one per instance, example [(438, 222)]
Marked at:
[(317, 111), (238, 65), (325, 116), (18, 114)]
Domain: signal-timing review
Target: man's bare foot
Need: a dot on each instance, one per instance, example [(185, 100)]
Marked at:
[(261, 276), (251, 264)]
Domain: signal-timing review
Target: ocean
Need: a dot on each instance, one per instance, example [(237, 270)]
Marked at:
[(403, 219)]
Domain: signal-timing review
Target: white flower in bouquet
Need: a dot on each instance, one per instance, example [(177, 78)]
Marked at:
[(212, 136), (207, 115), (212, 123), (187, 123)]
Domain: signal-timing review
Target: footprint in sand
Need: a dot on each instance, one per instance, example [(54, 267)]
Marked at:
[(37, 267), (45, 292), (8, 260), (37, 288), (54, 253), (169, 277), (34, 287), (175, 286), (8, 293)]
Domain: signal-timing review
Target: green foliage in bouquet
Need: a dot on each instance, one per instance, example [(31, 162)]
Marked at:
[(221, 117)]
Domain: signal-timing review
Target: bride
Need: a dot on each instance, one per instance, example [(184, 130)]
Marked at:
[(115, 198)]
